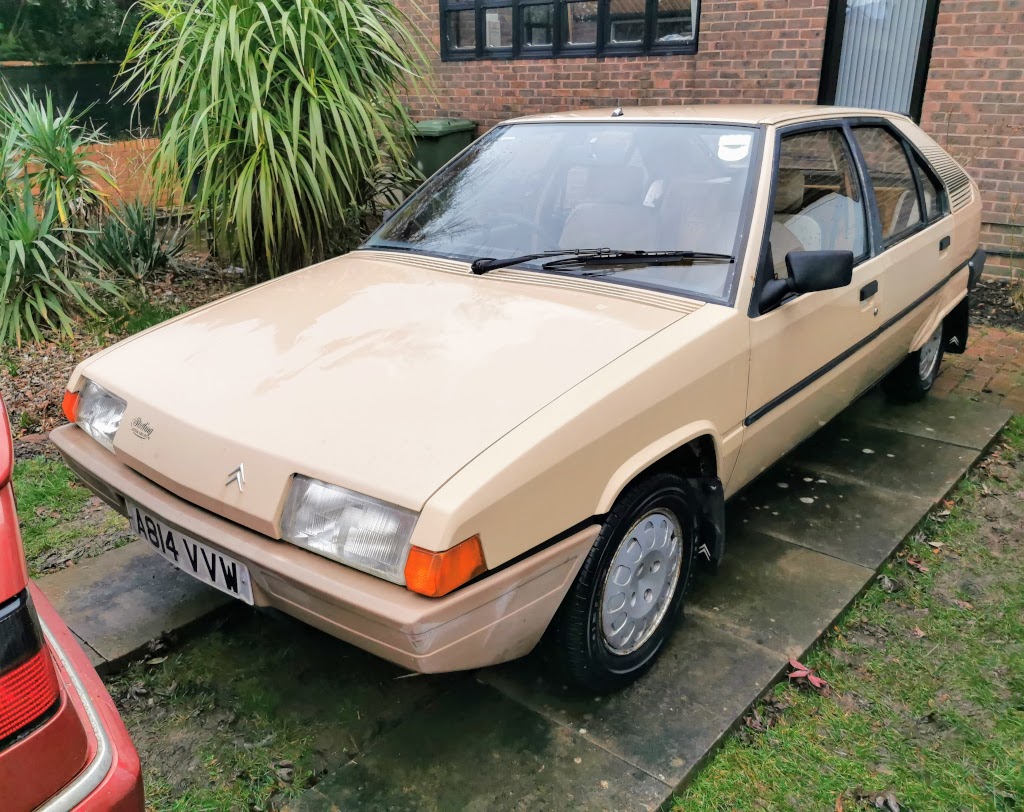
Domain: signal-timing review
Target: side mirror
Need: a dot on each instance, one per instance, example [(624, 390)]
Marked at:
[(820, 270), (809, 271)]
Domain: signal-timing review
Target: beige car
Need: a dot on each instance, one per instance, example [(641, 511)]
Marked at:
[(516, 411)]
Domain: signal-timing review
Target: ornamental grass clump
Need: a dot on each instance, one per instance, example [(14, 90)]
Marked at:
[(47, 189), (280, 115)]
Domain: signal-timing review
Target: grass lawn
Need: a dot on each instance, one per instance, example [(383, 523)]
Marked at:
[(60, 519), (927, 672)]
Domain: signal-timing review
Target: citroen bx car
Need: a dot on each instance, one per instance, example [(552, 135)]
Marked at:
[(515, 412), (63, 745)]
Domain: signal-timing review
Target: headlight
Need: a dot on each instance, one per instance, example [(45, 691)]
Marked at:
[(99, 413), (363, 533)]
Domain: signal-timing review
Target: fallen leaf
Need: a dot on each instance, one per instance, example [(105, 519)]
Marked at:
[(803, 675), (916, 632), (963, 604), (879, 800), (888, 584), (156, 661), (915, 562)]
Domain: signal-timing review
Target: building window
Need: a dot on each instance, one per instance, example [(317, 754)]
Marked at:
[(510, 29)]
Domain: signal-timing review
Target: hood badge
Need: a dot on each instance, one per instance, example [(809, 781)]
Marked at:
[(141, 429), (238, 475)]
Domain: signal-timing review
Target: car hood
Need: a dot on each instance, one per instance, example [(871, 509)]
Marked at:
[(380, 372)]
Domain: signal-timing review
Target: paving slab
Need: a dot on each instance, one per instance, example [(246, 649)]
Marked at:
[(952, 420), (779, 595), (885, 458), (842, 518), (475, 749), (667, 722), (119, 601)]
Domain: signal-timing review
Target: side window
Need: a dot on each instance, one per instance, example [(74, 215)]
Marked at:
[(818, 203), (892, 179), (934, 194)]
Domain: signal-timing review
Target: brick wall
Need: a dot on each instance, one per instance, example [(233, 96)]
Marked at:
[(753, 50), (974, 106), (128, 164)]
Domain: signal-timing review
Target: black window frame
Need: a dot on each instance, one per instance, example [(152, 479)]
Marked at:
[(909, 153), (765, 264), (601, 48)]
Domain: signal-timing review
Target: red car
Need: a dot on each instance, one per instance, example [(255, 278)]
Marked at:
[(62, 743)]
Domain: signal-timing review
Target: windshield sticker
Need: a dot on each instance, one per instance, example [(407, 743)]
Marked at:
[(734, 147)]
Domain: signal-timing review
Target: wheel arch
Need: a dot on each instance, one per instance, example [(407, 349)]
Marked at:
[(693, 451)]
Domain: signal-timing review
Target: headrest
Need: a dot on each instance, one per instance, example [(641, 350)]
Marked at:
[(789, 194), (623, 185)]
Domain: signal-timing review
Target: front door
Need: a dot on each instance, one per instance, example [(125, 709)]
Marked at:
[(803, 365), (877, 54)]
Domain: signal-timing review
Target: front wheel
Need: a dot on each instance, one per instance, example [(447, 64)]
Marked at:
[(628, 595), (913, 378)]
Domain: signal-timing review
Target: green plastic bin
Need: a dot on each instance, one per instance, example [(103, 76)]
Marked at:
[(438, 140)]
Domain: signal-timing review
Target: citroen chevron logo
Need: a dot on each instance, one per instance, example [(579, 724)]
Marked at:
[(704, 551), (238, 475), (954, 341)]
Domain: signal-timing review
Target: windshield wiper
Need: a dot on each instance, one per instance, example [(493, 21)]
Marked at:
[(609, 257), (598, 256), (485, 264)]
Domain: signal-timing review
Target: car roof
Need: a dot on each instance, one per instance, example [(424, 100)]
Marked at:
[(719, 113)]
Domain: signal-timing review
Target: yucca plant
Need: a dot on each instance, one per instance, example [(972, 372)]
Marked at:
[(131, 244), (50, 149), (44, 276), (283, 113)]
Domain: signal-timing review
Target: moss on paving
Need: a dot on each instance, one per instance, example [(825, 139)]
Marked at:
[(928, 680)]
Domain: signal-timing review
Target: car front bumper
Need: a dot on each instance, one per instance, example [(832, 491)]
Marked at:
[(497, 618)]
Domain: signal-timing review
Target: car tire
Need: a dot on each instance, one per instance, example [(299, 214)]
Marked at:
[(913, 378), (655, 519)]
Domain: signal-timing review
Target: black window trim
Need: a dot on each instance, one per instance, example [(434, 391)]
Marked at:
[(765, 269), (556, 50), (901, 139)]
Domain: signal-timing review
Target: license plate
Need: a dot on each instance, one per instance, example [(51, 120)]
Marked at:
[(197, 559)]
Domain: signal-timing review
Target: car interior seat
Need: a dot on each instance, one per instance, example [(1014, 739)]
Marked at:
[(612, 214)]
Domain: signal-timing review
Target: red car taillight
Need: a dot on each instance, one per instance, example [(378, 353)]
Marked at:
[(29, 690)]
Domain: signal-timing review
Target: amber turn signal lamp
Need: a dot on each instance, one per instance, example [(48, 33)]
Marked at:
[(436, 574), (70, 406)]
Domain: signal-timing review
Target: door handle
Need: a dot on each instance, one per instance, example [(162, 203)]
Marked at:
[(869, 290), (944, 243)]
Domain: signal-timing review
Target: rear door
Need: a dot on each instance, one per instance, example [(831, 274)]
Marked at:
[(916, 241), (807, 357)]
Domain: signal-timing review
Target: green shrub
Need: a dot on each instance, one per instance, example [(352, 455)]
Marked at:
[(66, 31), (131, 245), (49, 149), (284, 113), (44, 276)]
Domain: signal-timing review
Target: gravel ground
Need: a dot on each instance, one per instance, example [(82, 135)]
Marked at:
[(991, 305)]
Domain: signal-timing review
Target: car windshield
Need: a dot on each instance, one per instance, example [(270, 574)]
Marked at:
[(627, 186)]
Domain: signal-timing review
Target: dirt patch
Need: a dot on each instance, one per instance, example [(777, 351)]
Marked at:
[(991, 305)]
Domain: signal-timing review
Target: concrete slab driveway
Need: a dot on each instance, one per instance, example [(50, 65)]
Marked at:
[(803, 541)]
